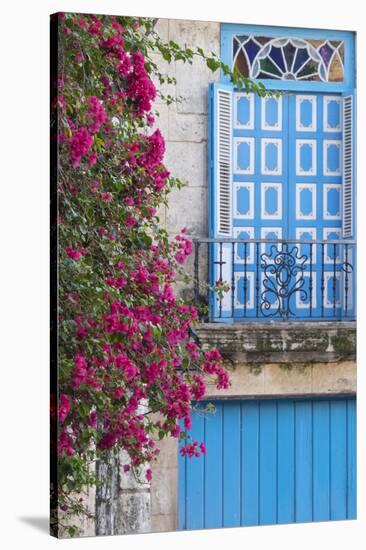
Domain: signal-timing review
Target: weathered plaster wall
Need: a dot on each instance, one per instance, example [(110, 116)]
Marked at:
[(85, 524), (184, 126), (123, 502)]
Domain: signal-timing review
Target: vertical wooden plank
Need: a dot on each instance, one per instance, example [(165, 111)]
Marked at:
[(351, 460), (286, 461), (321, 465), (195, 479), (338, 459), (250, 463), (268, 462), (213, 468), (303, 461), (231, 464)]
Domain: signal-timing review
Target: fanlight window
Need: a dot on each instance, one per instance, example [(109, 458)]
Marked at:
[(289, 58)]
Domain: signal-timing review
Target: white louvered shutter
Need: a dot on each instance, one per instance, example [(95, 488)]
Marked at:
[(221, 134), (223, 168), (347, 167)]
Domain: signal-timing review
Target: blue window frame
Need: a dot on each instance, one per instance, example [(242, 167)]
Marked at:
[(276, 172), (229, 31)]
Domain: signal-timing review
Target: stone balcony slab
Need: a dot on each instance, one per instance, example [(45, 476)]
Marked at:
[(280, 342)]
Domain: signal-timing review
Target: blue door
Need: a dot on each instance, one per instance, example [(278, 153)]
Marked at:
[(270, 462), (314, 198), (286, 168)]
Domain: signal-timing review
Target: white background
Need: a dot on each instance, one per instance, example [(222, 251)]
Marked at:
[(24, 269)]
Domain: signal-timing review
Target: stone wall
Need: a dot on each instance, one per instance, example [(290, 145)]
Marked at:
[(85, 523), (184, 126), (123, 502)]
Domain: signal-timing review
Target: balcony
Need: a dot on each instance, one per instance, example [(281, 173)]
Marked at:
[(275, 280)]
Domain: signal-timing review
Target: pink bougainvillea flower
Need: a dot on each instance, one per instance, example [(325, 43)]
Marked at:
[(96, 115), (188, 423), (129, 342), (94, 186), (65, 444), (64, 407), (95, 27), (180, 257), (73, 253), (203, 448), (79, 58), (81, 142), (126, 365), (129, 201), (92, 158), (130, 221), (107, 197), (118, 393), (81, 23), (80, 371)]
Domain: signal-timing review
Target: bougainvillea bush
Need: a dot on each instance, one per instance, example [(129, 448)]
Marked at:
[(124, 345)]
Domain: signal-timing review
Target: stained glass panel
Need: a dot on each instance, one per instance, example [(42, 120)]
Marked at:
[(289, 58), (277, 56)]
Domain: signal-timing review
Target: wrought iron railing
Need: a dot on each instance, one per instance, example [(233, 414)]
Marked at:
[(275, 279)]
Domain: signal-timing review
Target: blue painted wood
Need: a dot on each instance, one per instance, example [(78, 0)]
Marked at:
[(271, 461), (286, 462), (321, 466), (261, 189), (260, 195), (214, 468), (250, 463), (231, 465), (303, 461), (268, 463), (338, 459), (319, 227), (301, 200), (351, 459), (195, 482)]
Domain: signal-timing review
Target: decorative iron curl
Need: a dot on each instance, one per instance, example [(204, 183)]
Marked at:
[(283, 270), (347, 267)]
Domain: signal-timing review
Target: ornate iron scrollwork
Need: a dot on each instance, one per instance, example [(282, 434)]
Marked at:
[(283, 276)]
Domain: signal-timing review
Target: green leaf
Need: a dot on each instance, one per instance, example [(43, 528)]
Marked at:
[(72, 530)]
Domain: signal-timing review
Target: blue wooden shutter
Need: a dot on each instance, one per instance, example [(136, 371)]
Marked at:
[(347, 167), (220, 193)]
